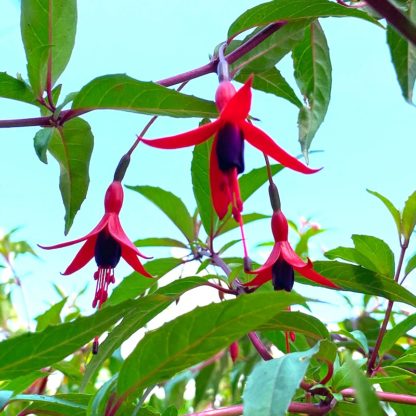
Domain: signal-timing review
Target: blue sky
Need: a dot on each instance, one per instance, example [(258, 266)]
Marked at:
[(367, 138)]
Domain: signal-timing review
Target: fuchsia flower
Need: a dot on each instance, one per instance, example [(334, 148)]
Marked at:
[(107, 242), (283, 261), (227, 153)]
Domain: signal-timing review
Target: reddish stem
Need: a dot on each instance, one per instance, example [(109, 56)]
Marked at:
[(385, 396), (395, 17), (259, 346), (221, 289)]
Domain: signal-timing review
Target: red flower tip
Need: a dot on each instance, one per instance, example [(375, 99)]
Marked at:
[(225, 92), (114, 196), (280, 227)]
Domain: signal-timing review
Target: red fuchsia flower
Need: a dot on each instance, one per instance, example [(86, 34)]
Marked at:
[(283, 261), (107, 243), (227, 152)]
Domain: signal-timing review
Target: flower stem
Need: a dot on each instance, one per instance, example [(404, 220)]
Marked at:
[(259, 346), (374, 354), (395, 17)]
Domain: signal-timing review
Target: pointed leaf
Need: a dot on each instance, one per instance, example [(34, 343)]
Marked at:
[(272, 384), (399, 330), (393, 210), (135, 284), (121, 92), (41, 143), (403, 56), (230, 224), (138, 317), (71, 145), (51, 317), (313, 73), (368, 403), (159, 242), (411, 264), (270, 81), (291, 10), (360, 280), (201, 184), (98, 403), (409, 216), (193, 338), (171, 205), (48, 32), (15, 89)]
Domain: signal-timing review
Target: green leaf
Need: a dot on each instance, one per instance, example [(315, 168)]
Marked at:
[(272, 384), (32, 351), (313, 73), (121, 92), (51, 317), (71, 145), (159, 242), (170, 411), (403, 56), (342, 376), (270, 81), (357, 279), (41, 143), (370, 252), (136, 318), (62, 404), (368, 403), (392, 209), (15, 89), (409, 216), (135, 284), (291, 10), (411, 264), (201, 184), (298, 322), (19, 384), (98, 403), (269, 52), (406, 360), (171, 205), (392, 335), (193, 338), (358, 337), (48, 32), (230, 224)]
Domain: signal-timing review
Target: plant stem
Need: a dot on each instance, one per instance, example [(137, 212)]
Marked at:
[(259, 346), (385, 396), (374, 354), (395, 17)]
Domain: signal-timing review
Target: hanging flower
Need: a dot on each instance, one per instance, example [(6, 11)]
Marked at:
[(282, 263), (107, 243), (227, 153)]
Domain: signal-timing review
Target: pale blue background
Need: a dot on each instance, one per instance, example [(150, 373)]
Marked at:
[(367, 137)]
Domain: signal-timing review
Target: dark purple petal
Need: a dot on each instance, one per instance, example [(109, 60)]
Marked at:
[(230, 148), (283, 275), (107, 250)]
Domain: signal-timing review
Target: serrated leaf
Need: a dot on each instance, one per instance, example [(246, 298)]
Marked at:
[(51, 317), (159, 242), (392, 335), (201, 184), (193, 338), (370, 252), (71, 145), (272, 384), (48, 31), (171, 205), (357, 279), (145, 310), (313, 73), (368, 403), (135, 284), (291, 10), (409, 216), (403, 56), (15, 89), (121, 92), (392, 209), (270, 81)]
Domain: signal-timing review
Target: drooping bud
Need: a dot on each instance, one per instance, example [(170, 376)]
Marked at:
[(114, 196), (274, 197), (122, 167), (230, 148), (234, 350), (280, 228), (283, 275)]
